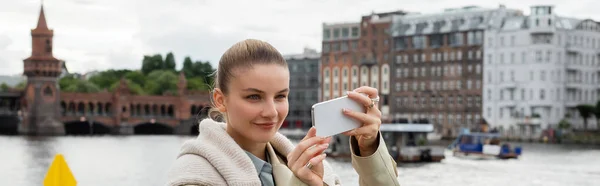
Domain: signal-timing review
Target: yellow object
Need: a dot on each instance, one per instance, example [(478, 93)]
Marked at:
[(59, 173)]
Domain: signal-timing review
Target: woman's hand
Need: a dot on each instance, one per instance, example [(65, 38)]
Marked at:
[(366, 135), (309, 150)]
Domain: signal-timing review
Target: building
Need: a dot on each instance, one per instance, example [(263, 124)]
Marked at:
[(538, 68), (437, 66), (357, 54), (304, 89)]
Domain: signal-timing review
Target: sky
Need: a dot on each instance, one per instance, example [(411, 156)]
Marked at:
[(115, 34)]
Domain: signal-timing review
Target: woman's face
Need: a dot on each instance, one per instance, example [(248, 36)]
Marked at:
[(256, 104)]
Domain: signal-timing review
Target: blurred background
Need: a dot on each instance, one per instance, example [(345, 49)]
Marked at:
[(488, 93)]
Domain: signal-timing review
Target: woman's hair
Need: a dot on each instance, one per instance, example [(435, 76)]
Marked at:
[(241, 56)]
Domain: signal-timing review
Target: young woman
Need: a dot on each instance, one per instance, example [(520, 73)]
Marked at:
[(251, 89)]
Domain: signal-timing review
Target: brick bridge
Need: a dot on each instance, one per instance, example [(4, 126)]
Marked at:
[(118, 112), (42, 109)]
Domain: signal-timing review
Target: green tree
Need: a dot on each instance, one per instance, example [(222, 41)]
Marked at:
[(188, 66), (564, 124), (106, 79), (66, 81), (585, 111), (170, 62), (162, 81), (152, 63), (4, 87), (196, 83), (21, 85), (136, 77), (82, 86), (135, 88)]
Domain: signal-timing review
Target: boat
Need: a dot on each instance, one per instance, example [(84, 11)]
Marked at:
[(406, 142), (480, 145)]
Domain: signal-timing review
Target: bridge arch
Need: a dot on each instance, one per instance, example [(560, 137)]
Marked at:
[(79, 127), (156, 128)]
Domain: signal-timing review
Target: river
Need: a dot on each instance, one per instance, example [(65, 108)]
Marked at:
[(144, 161)]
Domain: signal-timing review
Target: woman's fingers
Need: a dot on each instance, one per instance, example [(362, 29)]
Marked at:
[(370, 91), (302, 146), (309, 154), (312, 132), (362, 99), (363, 118)]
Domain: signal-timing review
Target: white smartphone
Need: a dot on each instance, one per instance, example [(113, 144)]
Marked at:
[(328, 119)]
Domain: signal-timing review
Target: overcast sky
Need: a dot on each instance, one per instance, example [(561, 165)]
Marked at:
[(103, 34)]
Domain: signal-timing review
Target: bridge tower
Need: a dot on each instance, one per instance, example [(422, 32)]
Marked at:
[(41, 97)]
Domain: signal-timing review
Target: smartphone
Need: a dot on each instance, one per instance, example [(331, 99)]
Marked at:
[(328, 119)]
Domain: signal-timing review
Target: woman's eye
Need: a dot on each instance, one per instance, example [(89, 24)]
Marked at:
[(281, 97), (253, 97)]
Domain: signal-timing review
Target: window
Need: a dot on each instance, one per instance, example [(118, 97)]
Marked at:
[(336, 33), (398, 59), (512, 76), (523, 57), (548, 55), (543, 76), (469, 82), (326, 33), (512, 40), (478, 84), (542, 94), (512, 58), (489, 94), (489, 59), (478, 54), (419, 42), (478, 69), (538, 56), (345, 32), (48, 91), (456, 39), (470, 55), (355, 31), (531, 75)]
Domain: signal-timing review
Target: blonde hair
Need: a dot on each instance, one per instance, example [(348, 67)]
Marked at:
[(242, 55)]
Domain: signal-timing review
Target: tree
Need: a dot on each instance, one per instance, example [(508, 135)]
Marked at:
[(162, 81), (585, 111), (82, 86), (170, 62), (564, 124), (4, 87), (152, 63), (135, 88), (66, 81), (196, 83), (106, 79), (21, 85), (188, 66), (136, 77)]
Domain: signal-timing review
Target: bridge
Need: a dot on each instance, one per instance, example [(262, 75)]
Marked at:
[(9, 108), (117, 112)]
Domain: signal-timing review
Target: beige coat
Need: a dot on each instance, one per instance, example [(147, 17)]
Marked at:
[(215, 159)]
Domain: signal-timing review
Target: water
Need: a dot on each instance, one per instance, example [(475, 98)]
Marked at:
[(144, 160)]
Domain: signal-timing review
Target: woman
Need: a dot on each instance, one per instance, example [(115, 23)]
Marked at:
[(251, 88)]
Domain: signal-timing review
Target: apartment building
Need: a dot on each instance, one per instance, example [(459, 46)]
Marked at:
[(538, 68), (437, 66), (304, 89)]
